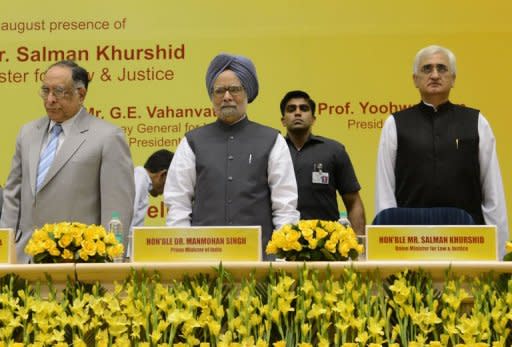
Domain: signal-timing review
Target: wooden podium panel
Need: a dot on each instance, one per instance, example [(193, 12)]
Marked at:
[(36, 272), (118, 272), (109, 273)]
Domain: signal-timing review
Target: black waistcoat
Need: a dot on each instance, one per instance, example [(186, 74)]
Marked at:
[(437, 158)]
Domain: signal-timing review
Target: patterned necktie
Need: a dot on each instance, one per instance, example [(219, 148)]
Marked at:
[(46, 159)]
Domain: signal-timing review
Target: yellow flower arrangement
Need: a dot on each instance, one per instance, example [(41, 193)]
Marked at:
[(315, 240), (316, 308), (73, 242)]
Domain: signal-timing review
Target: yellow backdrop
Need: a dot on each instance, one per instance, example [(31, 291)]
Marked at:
[(148, 62)]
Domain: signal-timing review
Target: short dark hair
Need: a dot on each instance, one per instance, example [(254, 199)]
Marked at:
[(158, 161), (296, 94), (78, 73)]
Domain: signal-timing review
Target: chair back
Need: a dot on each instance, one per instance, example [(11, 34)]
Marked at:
[(423, 216)]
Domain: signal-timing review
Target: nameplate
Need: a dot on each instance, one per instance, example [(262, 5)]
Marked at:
[(7, 249), (172, 244), (431, 242)]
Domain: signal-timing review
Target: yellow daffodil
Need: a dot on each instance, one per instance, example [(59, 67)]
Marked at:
[(71, 241), (314, 240), (65, 240), (348, 309), (67, 254)]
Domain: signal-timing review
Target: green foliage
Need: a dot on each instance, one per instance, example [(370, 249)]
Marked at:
[(311, 308)]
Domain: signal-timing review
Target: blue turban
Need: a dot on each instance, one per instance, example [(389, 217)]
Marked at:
[(242, 67)]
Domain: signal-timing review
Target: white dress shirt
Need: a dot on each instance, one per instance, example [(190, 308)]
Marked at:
[(66, 128), (141, 202)]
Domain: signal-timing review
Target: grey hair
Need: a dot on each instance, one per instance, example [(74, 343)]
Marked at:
[(431, 50)]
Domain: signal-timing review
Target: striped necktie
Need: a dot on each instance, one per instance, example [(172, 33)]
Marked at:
[(46, 159)]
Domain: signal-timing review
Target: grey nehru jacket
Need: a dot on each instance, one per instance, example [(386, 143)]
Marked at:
[(231, 172)]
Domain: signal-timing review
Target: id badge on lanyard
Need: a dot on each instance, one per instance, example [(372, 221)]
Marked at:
[(318, 176)]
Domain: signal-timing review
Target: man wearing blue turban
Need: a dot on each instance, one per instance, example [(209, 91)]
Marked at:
[(233, 171)]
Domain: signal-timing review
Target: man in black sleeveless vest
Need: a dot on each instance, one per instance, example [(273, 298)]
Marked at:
[(440, 154), (232, 171)]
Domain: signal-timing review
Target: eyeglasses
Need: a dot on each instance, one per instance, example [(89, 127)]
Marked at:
[(233, 90), (429, 68), (58, 92), (302, 107)]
